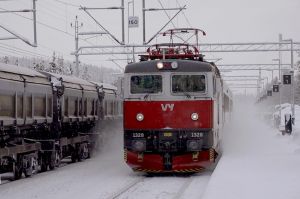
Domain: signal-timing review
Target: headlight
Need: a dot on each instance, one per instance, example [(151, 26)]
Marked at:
[(160, 65), (139, 145), (194, 116), (139, 117), (174, 65)]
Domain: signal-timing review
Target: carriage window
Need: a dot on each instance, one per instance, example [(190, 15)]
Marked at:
[(146, 84), (188, 83)]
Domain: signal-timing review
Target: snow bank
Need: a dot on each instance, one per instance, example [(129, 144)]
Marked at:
[(257, 163)]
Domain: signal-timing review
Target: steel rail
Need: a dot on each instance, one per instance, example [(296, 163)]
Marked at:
[(125, 188)]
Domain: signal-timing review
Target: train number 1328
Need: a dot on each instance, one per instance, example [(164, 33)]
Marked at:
[(138, 135), (196, 135)]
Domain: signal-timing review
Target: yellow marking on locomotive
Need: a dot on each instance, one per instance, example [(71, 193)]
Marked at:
[(125, 155), (148, 170), (189, 170), (168, 134), (211, 155), (140, 157), (174, 171), (195, 156)]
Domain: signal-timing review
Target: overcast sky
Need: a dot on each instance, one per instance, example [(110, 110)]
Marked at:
[(224, 21)]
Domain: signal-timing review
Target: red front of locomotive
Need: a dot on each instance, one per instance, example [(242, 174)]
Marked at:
[(168, 129)]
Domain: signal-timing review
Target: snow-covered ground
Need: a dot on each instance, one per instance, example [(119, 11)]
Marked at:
[(257, 163), (103, 177), (94, 178)]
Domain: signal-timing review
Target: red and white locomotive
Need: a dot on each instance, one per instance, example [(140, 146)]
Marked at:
[(174, 110)]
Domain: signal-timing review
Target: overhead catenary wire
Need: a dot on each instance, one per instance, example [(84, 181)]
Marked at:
[(9, 52), (70, 4), (161, 5), (26, 51), (183, 13), (159, 1), (55, 6), (20, 51), (48, 26), (85, 22), (49, 11), (43, 24)]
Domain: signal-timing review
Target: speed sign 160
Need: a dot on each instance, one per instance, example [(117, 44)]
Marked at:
[(133, 22)]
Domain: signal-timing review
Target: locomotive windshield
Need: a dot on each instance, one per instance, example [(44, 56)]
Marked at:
[(188, 83), (146, 84)]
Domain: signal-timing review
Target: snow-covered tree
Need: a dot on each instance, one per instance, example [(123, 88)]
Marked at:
[(56, 65), (85, 74), (69, 70), (6, 60), (40, 66)]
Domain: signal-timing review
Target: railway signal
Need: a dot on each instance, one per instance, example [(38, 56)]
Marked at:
[(275, 88), (287, 79)]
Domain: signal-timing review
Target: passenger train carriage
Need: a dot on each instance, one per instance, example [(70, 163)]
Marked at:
[(175, 106)]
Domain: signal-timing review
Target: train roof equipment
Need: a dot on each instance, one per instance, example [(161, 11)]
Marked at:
[(176, 32), (172, 50)]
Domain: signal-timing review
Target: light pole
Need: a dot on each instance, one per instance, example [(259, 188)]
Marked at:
[(76, 27), (266, 83), (279, 83), (272, 74), (292, 78)]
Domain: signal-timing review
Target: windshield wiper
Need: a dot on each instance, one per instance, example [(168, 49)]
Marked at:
[(146, 96), (187, 94)]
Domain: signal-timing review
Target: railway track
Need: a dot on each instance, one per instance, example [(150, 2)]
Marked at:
[(125, 189), (182, 189), (173, 187)]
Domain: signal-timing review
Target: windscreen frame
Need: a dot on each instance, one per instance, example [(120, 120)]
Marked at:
[(159, 90), (204, 92)]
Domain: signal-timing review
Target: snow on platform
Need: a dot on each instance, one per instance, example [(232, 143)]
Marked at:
[(258, 162)]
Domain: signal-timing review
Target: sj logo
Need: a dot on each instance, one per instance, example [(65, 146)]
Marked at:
[(165, 107)]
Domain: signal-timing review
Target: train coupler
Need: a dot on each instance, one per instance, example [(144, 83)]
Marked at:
[(140, 157), (167, 161), (195, 156), (212, 155)]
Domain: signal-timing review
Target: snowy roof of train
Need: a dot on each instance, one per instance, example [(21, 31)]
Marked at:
[(106, 86), (71, 79), (20, 70)]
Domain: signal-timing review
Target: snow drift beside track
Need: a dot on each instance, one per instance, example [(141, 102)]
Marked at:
[(257, 162)]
